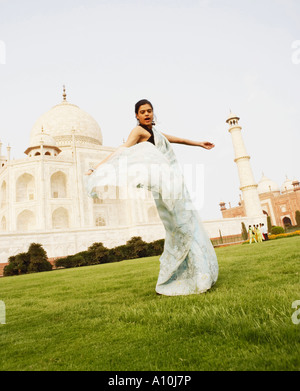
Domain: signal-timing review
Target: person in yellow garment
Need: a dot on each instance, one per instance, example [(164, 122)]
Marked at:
[(259, 234), (251, 234)]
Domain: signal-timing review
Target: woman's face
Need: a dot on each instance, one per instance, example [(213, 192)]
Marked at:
[(145, 115)]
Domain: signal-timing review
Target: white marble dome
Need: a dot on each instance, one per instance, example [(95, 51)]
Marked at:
[(265, 185), (287, 186), (63, 120)]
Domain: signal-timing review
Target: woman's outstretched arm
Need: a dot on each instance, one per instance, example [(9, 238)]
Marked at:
[(179, 140), (132, 139)]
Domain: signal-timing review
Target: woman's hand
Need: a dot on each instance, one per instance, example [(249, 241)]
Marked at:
[(206, 145), (89, 172)]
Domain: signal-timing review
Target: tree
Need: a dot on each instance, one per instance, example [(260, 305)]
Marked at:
[(221, 237), (22, 262), (35, 260), (297, 217), (12, 268), (99, 253), (78, 260), (137, 247), (244, 232), (17, 264), (158, 246), (117, 254), (269, 224), (38, 259)]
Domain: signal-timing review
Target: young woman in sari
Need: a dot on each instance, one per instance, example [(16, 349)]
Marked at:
[(188, 264)]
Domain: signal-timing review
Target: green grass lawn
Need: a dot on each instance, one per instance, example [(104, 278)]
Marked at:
[(108, 317)]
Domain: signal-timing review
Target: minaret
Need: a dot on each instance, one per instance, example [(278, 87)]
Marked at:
[(242, 159), (3, 159), (8, 152)]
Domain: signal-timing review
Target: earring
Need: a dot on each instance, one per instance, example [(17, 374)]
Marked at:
[(153, 122)]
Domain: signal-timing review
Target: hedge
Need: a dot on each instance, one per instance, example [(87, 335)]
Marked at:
[(279, 236), (35, 260), (275, 230), (97, 253), (295, 233)]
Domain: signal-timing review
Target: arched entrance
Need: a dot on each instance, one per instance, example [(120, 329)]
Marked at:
[(25, 188), (26, 221), (58, 185), (152, 214), (3, 194), (286, 221), (60, 218)]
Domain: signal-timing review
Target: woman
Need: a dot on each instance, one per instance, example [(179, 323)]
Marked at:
[(188, 263), (251, 234), (259, 233)]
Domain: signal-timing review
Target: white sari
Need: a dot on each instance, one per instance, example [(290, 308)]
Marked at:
[(188, 264)]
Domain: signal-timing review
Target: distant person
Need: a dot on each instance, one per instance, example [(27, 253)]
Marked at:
[(251, 235), (259, 234), (255, 231), (261, 231), (265, 232)]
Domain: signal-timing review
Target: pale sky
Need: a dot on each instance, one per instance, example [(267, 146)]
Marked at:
[(194, 60)]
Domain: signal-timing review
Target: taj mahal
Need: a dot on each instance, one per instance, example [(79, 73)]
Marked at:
[(43, 198)]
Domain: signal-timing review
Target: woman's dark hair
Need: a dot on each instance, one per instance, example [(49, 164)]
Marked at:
[(141, 103)]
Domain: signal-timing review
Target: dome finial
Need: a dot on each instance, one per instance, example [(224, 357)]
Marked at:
[(64, 93)]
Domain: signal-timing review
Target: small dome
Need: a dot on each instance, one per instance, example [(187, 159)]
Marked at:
[(232, 116), (287, 186), (265, 185), (42, 138)]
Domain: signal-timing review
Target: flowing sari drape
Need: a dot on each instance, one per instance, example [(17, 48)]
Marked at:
[(188, 264)]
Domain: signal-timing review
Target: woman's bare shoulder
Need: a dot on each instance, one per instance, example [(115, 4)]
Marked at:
[(134, 136), (137, 130)]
